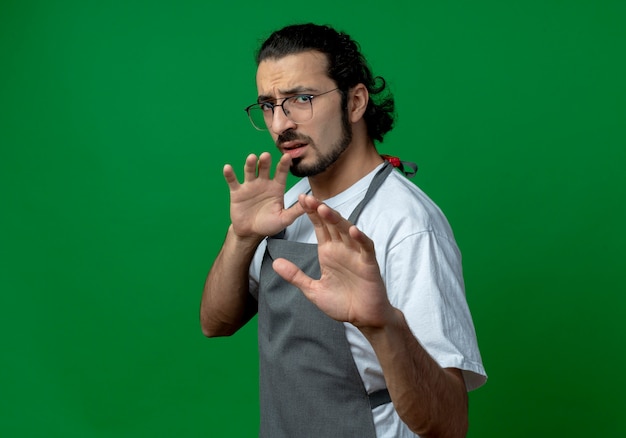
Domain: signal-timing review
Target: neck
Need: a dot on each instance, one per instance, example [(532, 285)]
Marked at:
[(359, 159)]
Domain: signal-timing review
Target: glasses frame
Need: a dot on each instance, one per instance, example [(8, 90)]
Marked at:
[(281, 105)]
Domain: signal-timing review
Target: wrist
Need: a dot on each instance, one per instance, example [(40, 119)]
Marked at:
[(243, 242), (393, 318)]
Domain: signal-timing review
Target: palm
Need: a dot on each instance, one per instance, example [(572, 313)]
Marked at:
[(256, 205), (350, 288)]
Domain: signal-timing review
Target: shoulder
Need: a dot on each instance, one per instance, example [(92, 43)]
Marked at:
[(402, 209)]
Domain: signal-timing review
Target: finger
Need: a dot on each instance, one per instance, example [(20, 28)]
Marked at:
[(249, 168), (265, 162), (291, 214), (282, 169), (338, 227), (292, 274), (331, 216), (366, 244), (230, 177), (309, 205)]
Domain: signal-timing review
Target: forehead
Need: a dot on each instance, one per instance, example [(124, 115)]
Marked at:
[(306, 70)]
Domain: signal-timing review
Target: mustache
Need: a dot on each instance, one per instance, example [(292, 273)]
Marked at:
[(290, 135)]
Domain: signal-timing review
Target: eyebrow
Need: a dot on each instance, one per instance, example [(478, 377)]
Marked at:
[(289, 92)]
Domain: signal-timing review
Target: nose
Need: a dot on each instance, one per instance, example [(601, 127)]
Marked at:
[(280, 121)]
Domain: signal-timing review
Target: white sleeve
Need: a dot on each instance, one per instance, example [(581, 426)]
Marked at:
[(424, 280), (255, 270)]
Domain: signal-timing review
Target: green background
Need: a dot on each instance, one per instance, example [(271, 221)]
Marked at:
[(116, 119)]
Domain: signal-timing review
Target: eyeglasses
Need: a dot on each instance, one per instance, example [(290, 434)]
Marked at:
[(298, 109)]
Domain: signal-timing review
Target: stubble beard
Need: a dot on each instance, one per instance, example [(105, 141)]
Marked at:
[(324, 161)]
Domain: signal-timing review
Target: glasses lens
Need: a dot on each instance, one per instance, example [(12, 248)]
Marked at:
[(299, 109), (257, 117)]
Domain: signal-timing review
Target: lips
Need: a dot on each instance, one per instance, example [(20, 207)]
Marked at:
[(291, 145), (294, 148)]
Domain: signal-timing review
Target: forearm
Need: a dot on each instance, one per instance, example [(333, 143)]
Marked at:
[(226, 303), (431, 400)]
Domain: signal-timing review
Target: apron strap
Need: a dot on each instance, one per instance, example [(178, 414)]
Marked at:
[(379, 398), (402, 165), (371, 190)]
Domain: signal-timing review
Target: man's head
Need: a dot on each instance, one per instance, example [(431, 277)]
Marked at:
[(346, 66), (302, 108)]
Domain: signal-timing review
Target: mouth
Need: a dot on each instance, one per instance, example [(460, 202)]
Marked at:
[(294, 148), (292, 145)]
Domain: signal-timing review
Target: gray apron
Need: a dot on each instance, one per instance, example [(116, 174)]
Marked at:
[(309, 383)]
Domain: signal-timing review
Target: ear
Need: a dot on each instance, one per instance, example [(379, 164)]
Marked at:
[(357, 103)]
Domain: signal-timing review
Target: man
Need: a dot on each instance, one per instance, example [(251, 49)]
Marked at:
[(363, 325)]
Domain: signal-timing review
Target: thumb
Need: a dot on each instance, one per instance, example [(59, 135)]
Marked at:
[(291, 214), (292, 274)]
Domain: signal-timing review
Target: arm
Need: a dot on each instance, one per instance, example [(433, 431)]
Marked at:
[(226, 303), (256, 211), (431, 400)]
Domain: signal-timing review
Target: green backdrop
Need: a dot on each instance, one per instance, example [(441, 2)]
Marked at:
[(116, 118)]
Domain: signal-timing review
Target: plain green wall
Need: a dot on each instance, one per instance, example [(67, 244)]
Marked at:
[(116, 118)]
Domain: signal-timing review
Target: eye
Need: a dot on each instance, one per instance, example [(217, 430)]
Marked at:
[(266, 106), (301, 99)]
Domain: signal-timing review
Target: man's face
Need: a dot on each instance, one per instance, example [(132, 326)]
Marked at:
[(317, 143)]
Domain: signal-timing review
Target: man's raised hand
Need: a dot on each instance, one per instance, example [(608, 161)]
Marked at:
[(257, 205)]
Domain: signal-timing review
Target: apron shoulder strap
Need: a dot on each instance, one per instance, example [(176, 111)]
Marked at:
[(374, 186)]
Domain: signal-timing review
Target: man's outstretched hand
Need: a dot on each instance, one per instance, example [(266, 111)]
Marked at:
[(350, 288)]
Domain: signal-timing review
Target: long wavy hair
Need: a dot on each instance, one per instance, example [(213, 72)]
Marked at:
[(346, 66)]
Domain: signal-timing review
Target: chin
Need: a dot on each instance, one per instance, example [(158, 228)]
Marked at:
[(302, 170)]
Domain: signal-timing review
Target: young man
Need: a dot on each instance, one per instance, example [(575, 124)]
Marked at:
[(363, 325)]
